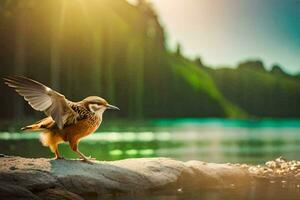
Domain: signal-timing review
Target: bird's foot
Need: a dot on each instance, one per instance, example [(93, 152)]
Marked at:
[(59, 158), (85, 158), (87, 161)]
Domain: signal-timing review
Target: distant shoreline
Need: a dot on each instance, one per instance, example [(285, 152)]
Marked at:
[(113, 124)]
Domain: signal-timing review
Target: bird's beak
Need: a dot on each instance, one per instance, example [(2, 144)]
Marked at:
[(112, 107)]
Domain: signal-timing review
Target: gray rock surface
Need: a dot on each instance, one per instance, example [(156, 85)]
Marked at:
[(25, 178)]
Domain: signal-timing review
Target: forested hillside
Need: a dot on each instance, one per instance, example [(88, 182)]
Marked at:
[(259, 92), (118, 51)]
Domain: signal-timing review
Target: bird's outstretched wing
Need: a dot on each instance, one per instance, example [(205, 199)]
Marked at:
[(43, 98)]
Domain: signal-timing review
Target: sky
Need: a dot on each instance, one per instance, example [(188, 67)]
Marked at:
[(226, 32)]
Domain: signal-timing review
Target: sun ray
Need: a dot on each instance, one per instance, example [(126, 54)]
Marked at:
[(96, 35), (57, 36)]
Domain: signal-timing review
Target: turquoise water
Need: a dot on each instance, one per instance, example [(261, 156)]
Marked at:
[(211, 140)]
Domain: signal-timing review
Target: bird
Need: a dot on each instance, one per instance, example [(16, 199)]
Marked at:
[(66, 121)]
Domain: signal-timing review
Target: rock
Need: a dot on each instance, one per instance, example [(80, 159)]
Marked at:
[(25, 178), (62, 194), (216, 176), (8, 191), (31, 180)]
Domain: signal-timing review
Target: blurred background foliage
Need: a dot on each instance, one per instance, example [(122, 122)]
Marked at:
[(118, 51)]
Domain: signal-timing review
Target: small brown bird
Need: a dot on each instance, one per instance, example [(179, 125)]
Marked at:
[(67, 121)]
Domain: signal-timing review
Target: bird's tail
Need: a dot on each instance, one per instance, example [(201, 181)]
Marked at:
[(33, 127), (39, 125)]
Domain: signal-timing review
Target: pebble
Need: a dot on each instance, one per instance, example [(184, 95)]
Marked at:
[(278, 167), (179, 190), (13, 168)]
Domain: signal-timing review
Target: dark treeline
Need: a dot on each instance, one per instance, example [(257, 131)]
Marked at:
[(118, 51)]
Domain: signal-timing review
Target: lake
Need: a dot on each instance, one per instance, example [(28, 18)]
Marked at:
[(210, 140)]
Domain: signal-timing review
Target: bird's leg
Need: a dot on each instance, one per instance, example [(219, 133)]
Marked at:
[(84, 158), (54, 148), (81, 155)]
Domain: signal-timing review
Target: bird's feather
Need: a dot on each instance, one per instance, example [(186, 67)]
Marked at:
[(43, 98)]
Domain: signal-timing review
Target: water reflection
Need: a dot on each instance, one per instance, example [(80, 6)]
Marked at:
[(212, 141), (256, 192)]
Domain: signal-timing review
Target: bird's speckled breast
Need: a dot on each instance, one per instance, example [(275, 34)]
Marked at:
[(87, 123), (82, 128)]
